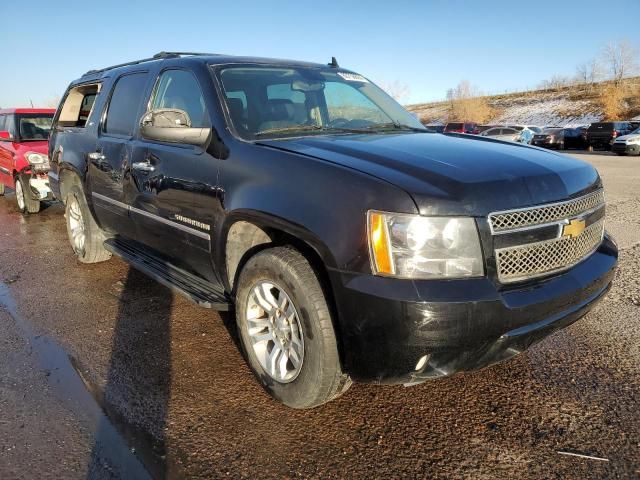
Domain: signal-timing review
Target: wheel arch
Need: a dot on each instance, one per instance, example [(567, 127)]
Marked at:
[(248, 232)]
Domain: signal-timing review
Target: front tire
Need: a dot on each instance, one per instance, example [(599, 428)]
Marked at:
[(25, 201), (286, 329), (86, 238)]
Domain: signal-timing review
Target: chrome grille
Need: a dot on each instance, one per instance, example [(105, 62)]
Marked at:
[(528, 217), (542, 258)]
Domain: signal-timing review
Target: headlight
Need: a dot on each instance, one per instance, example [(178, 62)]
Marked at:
[(412, 246), (36, 158), (633, 141), (38, 161)]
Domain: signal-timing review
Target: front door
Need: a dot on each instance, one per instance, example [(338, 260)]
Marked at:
[(109, 166), (171, 179)]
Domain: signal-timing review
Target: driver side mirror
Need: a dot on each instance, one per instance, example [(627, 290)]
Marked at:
[(174, 126), (5, 135)]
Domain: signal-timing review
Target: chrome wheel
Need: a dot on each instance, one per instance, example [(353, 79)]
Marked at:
[(20, 195), (274, 331), (76, 225)]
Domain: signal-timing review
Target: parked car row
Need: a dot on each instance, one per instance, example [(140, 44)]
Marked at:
[(351, 243), (622, 138)]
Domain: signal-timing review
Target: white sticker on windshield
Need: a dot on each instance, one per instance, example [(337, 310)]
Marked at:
[(353, 77)]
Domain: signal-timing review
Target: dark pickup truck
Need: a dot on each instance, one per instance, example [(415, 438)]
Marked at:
[(350, 242)]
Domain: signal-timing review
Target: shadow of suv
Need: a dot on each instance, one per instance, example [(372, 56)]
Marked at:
[(350, 242)]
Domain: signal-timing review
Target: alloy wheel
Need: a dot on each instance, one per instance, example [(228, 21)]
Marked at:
[(76, 225), (20, 195), (274, 330)]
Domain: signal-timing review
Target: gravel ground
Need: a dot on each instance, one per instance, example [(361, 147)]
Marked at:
[(174, 388)]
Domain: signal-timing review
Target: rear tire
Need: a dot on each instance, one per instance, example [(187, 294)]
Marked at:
[(280, 304), (86, 238), (25, 201)]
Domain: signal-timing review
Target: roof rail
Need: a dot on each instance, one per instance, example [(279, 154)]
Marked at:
[(157, 56), (183, 54)]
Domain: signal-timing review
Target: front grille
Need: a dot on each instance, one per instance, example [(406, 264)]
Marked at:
[(543, 258), (544, 214)]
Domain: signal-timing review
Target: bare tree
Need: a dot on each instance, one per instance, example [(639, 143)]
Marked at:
[(396, 89), (620, 60), (589, 73)]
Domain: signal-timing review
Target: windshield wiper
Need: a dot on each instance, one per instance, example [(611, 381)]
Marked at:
[(395, 126), (308, 128)]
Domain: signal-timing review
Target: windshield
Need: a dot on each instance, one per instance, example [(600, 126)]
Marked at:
[(552, 130), (274, 102), (34, 126)]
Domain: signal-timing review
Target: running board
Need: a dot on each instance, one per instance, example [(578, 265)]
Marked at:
[(194, 288)]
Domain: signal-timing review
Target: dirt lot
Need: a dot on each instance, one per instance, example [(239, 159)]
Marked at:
[(105, 374)]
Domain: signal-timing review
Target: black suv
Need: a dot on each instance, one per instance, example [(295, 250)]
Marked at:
[(603, 134), (351, 243)]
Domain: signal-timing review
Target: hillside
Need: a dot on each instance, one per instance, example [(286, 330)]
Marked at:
[(567, 106)]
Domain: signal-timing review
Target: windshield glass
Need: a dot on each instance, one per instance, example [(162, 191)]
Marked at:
[(34, 126), (274, 102), (552, 130)]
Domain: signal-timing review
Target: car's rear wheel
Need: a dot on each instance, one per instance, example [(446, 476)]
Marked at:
[(286, 329), (25, 201), (86, 238)]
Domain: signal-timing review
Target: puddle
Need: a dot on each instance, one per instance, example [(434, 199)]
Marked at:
[(114, 440)]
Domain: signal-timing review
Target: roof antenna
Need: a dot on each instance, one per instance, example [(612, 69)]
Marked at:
[(334, 63)]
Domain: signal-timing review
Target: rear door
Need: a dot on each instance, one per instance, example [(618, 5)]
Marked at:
[(175, 194), (109, 166)]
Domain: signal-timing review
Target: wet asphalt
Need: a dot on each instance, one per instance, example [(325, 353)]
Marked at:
[(105, 374)]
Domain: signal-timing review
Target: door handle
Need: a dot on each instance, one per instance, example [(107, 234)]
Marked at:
[(143, 166), (97, 156)]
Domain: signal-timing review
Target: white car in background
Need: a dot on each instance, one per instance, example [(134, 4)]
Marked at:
[(627, 144), (506, 134)]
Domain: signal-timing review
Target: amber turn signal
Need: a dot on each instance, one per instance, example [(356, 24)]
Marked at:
[(380, 246)]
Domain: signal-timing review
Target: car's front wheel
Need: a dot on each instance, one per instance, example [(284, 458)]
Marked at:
[(24, 199), (286, 329)]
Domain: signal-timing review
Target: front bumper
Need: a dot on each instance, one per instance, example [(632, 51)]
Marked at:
[(39, 186), (633, 149), (403, 331)]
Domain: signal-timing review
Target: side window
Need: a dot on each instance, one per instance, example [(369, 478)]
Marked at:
[(124, 106), (179, 89), (78, 105), (2, 122)]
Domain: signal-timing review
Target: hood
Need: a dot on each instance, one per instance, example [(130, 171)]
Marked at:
[(630, 136), (38, 146), (455, 174)]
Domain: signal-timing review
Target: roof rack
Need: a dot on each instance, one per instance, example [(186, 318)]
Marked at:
[(157, 56)]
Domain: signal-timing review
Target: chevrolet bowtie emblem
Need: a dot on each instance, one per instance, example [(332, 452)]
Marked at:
[(574, 228)]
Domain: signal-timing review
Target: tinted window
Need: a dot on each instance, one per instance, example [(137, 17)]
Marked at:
[(454, 126), (602, 126), (179, 89), (124, 106)]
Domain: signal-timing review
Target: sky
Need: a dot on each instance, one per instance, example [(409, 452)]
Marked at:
[(428, 46)]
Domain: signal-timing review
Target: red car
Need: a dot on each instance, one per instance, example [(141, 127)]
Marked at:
[(462, 127), (24, 139)]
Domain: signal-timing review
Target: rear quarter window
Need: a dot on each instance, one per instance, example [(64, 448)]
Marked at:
[(78, 105)]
